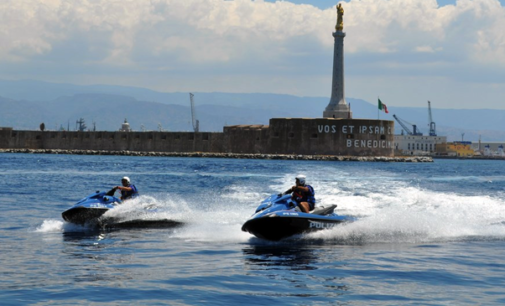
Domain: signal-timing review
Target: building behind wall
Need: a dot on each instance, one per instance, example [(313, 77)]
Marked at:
[(489, 148), (419, 144), (460, 149)]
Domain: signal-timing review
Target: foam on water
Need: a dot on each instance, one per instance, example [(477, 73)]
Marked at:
[(414, 215), (150, 208), (389, 209), (222, 217), (50, 226)]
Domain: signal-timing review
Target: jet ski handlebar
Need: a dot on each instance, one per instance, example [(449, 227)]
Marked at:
[(111, 192)]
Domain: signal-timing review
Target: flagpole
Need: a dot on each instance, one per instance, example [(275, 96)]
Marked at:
[(378, 111)]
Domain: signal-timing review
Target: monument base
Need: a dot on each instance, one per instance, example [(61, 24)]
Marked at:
[(340, 111), (337, 114)]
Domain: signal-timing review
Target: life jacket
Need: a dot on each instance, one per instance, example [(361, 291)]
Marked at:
[(128, 194), (305, 196)]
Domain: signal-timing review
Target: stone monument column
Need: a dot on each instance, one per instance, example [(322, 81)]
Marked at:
[(338, 108)]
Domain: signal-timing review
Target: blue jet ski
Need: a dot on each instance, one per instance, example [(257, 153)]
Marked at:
[(90, 208), (276, 218)]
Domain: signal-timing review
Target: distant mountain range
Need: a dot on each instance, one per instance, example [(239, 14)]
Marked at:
[(25, 104)]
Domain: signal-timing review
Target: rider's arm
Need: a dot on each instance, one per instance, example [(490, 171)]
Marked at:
[(302, 188), (124, 188), (289, 190)]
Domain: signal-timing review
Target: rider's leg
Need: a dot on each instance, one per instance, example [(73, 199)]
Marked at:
[(304, 206)]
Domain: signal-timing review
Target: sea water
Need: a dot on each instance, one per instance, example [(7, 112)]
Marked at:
[(426, 233)]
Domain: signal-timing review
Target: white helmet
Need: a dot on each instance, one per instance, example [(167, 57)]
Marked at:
[(127, 179), (301, 178)]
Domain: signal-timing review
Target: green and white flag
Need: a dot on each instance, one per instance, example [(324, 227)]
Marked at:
[(383, 107)]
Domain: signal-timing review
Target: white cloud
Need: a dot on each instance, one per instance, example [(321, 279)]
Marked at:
[(246, 46), (426, 49)]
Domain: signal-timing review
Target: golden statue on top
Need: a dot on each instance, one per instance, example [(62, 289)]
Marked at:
[(340, 20)]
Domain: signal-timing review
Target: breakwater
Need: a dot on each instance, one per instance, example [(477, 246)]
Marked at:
[(412, 159), (289, 136)]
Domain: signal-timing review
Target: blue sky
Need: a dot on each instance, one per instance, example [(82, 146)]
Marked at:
[(404, 51)]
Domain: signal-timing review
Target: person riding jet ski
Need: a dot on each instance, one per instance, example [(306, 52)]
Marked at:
[(128, 190), (302, 194)]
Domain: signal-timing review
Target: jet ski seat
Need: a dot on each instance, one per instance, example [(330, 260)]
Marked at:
[(321, 210)]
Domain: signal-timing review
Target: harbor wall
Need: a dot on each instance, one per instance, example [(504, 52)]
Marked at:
[(320, 136), (113, 141)]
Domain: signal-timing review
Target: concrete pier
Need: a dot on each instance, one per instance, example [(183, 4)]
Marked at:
[(406, 159)]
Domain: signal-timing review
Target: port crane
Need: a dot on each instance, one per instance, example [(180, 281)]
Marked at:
[(433, 126), (196, 123), (404, 124), (80, 125)]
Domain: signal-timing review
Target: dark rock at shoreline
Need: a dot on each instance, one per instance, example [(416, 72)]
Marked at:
[(413, 159)]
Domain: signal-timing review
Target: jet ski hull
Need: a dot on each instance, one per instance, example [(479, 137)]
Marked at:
[(276, 227), (276, 219), (90, 208), (83, 215), (130, 224)]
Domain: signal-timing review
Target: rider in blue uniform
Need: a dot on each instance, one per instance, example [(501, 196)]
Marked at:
[(302, 194), (128, 190)]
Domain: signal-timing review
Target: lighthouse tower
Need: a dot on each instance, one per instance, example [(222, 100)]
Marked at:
[(338, 108)]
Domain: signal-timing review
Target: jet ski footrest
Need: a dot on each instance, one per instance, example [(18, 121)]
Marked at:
[(321, 210)]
